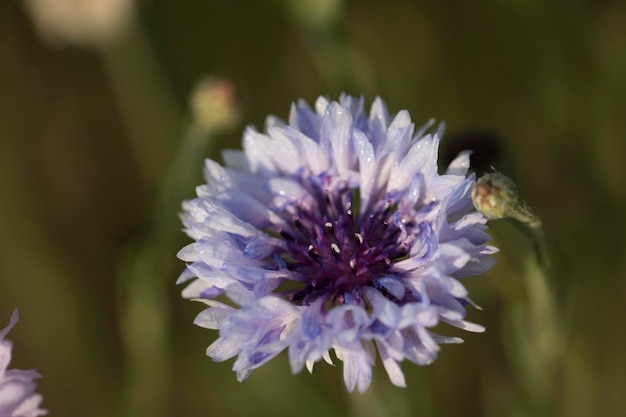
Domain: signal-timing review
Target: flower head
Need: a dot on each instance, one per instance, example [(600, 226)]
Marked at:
[(334, 232), (17, 387)]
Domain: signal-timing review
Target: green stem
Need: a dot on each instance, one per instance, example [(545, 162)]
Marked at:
[(152, 119)]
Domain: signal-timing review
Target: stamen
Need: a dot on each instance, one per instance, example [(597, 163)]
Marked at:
[(312, 253), (298, 223)]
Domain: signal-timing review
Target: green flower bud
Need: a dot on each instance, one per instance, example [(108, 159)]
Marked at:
[(495, 196)]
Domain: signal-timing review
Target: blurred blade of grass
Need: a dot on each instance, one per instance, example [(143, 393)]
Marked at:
[(343, 67), (145, 279), (536, 337), (152, 117), (146, 102)]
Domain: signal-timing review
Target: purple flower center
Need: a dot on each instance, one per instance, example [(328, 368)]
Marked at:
[(336, 251)]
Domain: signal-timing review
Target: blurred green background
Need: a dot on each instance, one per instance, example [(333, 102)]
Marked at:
[(98, 148)]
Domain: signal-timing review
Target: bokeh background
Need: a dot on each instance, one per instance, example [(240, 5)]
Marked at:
[(99, 144)]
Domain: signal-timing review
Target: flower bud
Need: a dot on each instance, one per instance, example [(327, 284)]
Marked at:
[(214, 104), (495, 196), (80, 22)]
